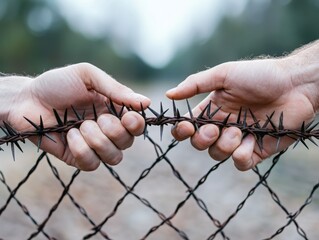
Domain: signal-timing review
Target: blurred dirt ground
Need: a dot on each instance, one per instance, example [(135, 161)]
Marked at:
[(98, 192)]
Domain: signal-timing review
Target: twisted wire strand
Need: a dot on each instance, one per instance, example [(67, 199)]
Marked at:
[(305, 132)]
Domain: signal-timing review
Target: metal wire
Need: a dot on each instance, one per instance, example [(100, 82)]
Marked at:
[(12, 137)]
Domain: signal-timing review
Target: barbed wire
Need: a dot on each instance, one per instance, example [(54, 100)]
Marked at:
[(307, 131), (270, 127)]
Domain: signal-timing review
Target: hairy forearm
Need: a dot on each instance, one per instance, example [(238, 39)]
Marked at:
[(10, 90), (304, 71)]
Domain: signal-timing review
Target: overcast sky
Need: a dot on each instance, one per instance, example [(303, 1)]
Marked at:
[(153, 29)]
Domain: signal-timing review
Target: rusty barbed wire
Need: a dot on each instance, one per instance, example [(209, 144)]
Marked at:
[(307, 131), (269, 128)]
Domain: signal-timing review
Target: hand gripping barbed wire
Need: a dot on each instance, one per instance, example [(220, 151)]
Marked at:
[(307, 131)]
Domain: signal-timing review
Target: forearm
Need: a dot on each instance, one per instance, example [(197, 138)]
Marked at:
[(10, 92)]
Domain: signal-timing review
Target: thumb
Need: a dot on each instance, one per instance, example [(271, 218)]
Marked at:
[(104, 84), (202, 82)]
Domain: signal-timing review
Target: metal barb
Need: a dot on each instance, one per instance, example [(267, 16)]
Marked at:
[(143, 112), (121, 111), (174, 108), (94, 112), (39, 142), (278, 143), (41, 127), (259, 141), (153, 111), (226, 119), (78, 116), (200, 116), (214, 112), (57, 117), (209, 108), (189, 109), (281, 121), (12, 151), (268, 119), (65, 117), (178, 115), (10, 130), (245, 119), (254, 118), (83, 115), (309, 128), (32, 123), (239, 116), (303, 129), (272, 123), (114, 111)]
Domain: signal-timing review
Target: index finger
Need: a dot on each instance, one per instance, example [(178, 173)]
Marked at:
[(104, 84), (205, 81)]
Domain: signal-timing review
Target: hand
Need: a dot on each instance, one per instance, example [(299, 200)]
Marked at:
[(263, 86), (79, 86)]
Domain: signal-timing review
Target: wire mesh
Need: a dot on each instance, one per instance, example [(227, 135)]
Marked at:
[(160, 192)]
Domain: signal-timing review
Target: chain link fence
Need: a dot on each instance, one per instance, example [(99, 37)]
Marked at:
[(162, 190)]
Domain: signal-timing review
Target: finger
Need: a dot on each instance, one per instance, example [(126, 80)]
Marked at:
[(229, 140), (218, 115), (84, 157), (183, 130), (98, 80), (205, 136), (100, 143), (113, 129), (134, 123), (244, 156), (205, 81)]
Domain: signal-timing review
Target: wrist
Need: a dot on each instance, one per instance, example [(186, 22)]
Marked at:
[(11, 94), (304, 72)]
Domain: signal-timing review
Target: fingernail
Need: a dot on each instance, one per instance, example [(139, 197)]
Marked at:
[(231, 134), (208, 132), (130, 121), (104, 121), (171, 91), (140, 97)]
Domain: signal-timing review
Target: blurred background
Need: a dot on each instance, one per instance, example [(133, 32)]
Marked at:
[(151, 46), (149, 40)]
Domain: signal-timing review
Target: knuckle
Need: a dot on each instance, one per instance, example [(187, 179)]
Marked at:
[(218, 154), (242, 160), (79, 153), (111, 127), (114, 159), (183, 130), (85, 66), (96, 144), (86, 123), (205, 137), (191, 78), (126, 144), (225, 149), (199, 144), (117, 133), (242, 166), (241, 157), (90, 166)]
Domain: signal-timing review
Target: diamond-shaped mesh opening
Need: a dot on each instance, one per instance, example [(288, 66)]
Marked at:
[(160, 191)]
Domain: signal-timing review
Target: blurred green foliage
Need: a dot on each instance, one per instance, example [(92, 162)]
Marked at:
[(265, 27), (25, 51), (273, 28)]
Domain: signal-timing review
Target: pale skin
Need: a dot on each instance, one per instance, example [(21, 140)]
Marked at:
[(288, 84), (80, 86)]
